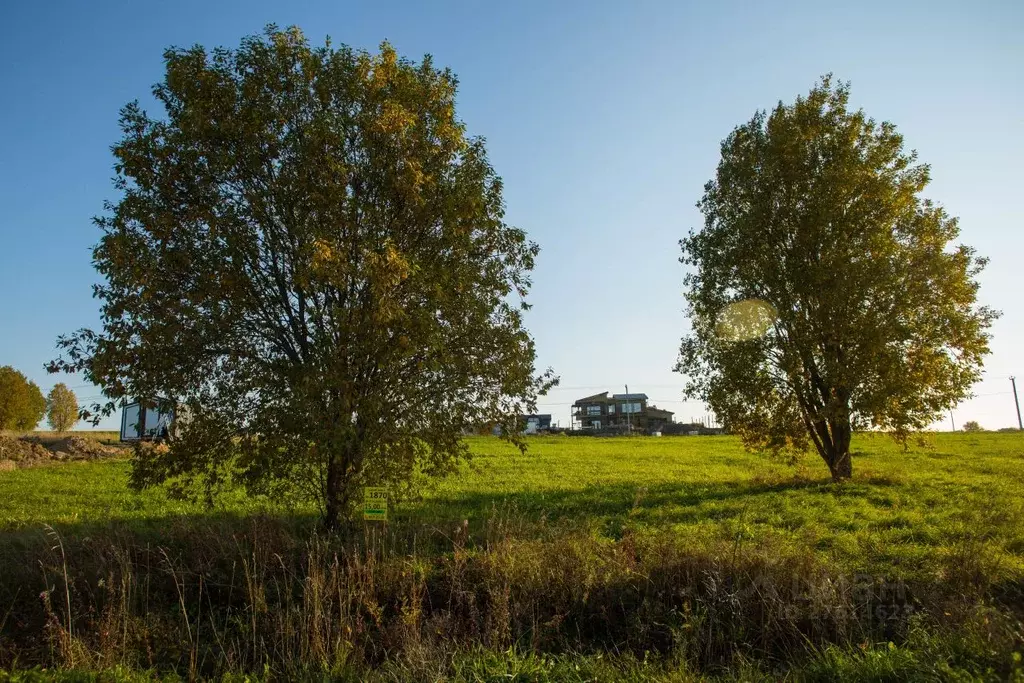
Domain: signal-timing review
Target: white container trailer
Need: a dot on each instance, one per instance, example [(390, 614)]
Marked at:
[(150, 425)]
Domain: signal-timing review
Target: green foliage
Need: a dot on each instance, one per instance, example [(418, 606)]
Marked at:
[(61, 408), (972, 426), (309, 257), (22, 405), (816, 214)]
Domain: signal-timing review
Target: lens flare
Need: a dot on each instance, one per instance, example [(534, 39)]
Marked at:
[(745, 320)]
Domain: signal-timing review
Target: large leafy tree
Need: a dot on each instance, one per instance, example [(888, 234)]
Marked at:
[(825, 293), (309, 256), (22, 405), (61, 408)]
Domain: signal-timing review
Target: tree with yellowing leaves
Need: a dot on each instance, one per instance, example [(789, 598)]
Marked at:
[(22, 404), (61, 408), (825, 292), (309, 258)]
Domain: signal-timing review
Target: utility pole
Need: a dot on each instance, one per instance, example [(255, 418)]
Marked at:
[(629, 423), (951, 419), (1013, 381)]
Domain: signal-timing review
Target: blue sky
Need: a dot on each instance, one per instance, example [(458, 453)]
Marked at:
[(604, 120)]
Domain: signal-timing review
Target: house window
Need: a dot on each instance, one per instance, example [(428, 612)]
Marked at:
[(593, 410), (611, 409), (631, 408)]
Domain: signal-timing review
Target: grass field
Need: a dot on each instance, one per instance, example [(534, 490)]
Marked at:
[(945, 518)]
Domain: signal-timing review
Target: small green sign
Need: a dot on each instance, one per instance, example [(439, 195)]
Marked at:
[(375, 503)]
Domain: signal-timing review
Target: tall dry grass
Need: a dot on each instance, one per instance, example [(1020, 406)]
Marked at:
[(260, 598)]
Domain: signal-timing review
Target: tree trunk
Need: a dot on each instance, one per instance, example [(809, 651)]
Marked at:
[(341, 468), (838, 457), (332, 493), (841, 466)]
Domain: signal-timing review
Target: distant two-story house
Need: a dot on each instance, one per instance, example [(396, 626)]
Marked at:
[(619, 411)]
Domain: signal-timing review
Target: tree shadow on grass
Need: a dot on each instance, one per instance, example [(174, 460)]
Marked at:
[(664, 503), (424, 527)]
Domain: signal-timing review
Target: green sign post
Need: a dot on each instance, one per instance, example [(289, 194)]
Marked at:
[(375, 503)]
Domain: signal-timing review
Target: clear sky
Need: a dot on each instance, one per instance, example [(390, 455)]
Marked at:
[(604, 120)]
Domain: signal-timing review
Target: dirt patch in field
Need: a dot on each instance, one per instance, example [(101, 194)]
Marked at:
[(76, 446), (30, 451)]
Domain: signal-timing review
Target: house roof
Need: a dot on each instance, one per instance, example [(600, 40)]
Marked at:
[(603, 396)]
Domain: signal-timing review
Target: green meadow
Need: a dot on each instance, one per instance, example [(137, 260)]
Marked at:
[(944, 517), (904, 510)]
